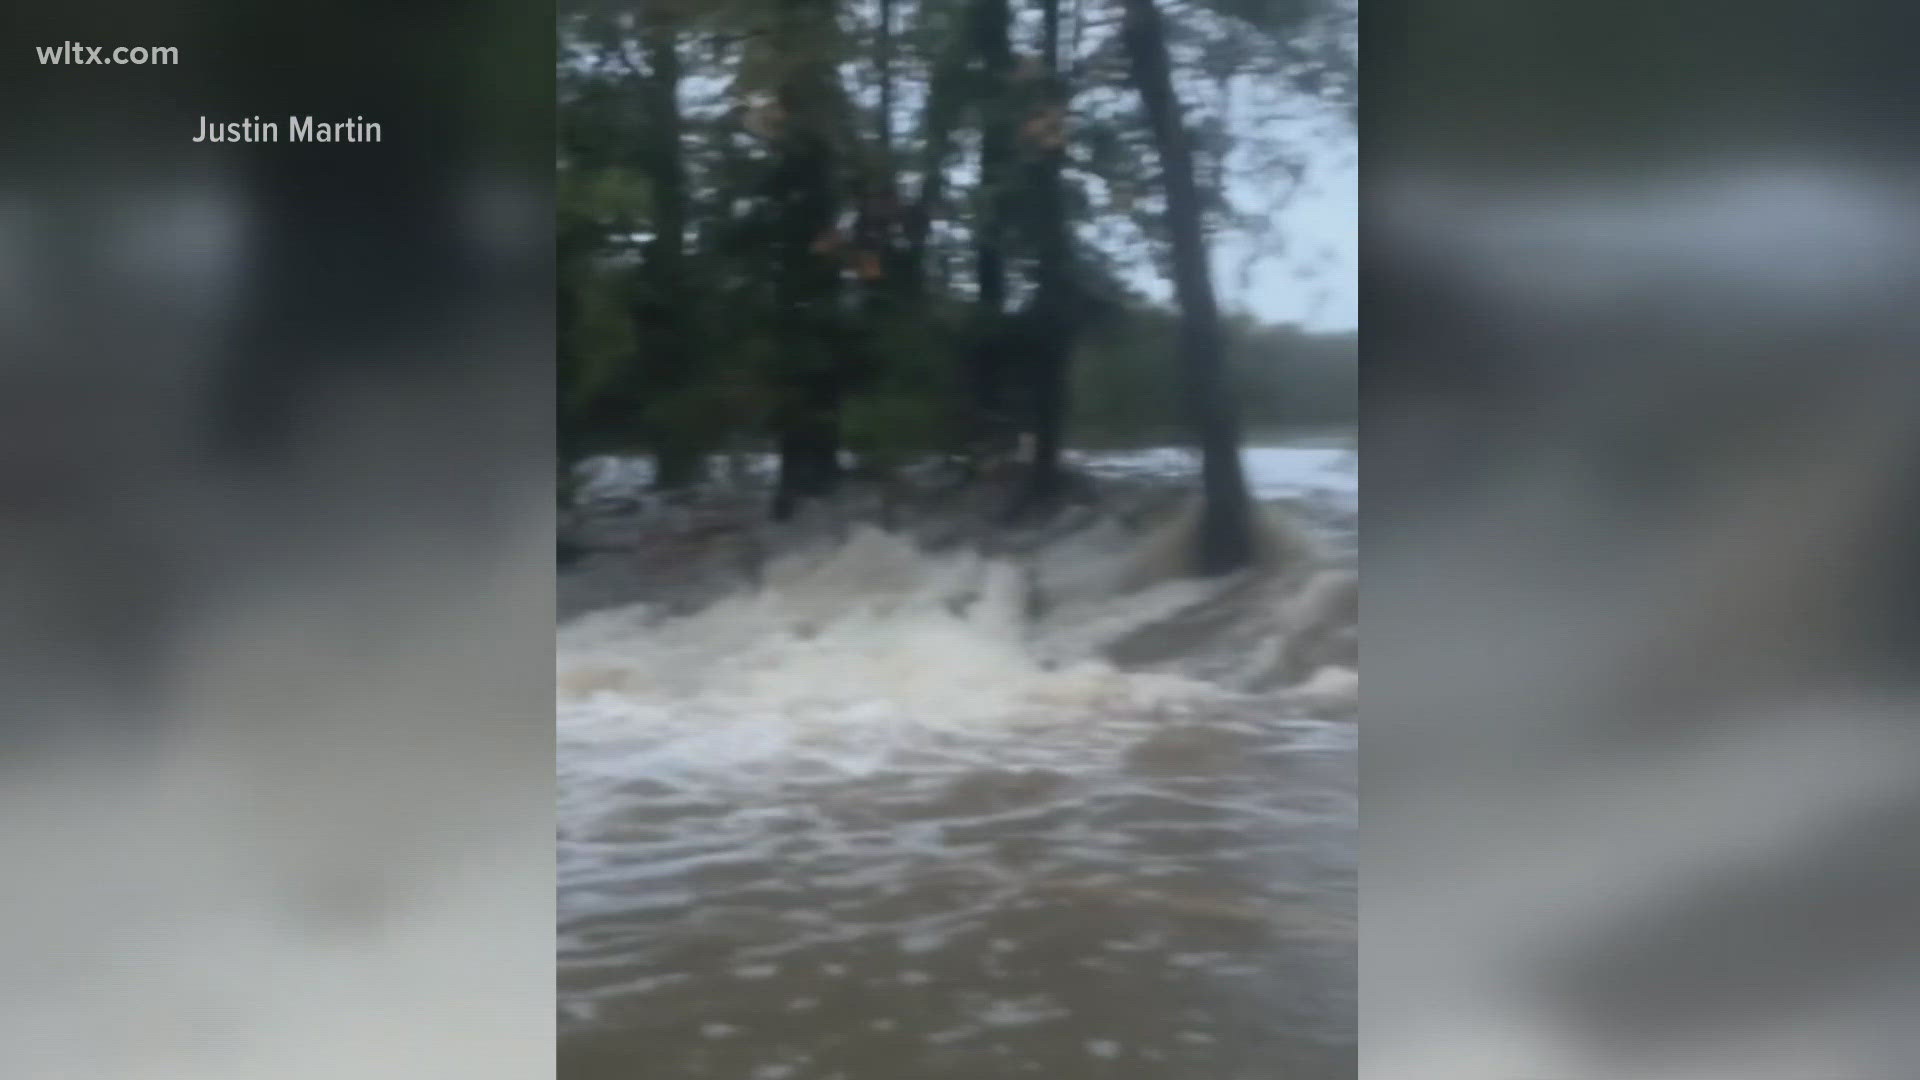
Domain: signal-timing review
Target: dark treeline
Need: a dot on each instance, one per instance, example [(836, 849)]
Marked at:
[(895, 228), (1284, 380)]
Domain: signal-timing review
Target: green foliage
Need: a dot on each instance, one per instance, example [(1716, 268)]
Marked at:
[(885, 429), (599, 337), (748, 130), (1128, 389)]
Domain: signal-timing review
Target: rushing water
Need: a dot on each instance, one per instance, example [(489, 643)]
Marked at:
[(875, 821)]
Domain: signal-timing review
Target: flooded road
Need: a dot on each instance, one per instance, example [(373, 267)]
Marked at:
[(880, 820)]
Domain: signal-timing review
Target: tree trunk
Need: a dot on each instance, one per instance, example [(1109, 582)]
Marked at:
[(879, 191), (879, 215), (808, 284), (665, 325), (992, 100), (942, 111), (1225, 542), (885, 66), (809, 447), (1053, 299)]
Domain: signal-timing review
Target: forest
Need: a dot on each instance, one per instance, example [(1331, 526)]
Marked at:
[(872, 231)]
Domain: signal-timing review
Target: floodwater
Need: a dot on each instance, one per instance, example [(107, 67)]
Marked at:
[(879, 820), (1323, 472)]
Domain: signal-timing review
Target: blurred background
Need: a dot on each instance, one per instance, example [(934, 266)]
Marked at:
[(276, 451), (1641, 415)]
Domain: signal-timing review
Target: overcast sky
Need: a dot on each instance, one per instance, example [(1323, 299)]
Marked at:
[(1313, 279), (1324, 220), (1327, 218)]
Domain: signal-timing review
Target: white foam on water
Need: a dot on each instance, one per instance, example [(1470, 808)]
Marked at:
[(823, 760), (843, 660)]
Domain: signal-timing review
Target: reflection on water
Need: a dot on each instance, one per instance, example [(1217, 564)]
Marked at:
[(877, 821)]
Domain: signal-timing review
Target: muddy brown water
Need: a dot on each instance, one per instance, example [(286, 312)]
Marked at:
[(1181, 908), (851, 831)]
